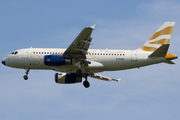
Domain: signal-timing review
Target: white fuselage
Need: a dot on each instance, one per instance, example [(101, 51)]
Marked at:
[(99, 60)]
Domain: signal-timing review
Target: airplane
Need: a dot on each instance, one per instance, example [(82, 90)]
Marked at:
[(78, 61)]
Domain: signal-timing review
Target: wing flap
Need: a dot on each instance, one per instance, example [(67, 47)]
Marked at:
[(100, 77)]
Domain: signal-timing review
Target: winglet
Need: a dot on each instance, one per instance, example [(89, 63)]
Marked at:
[(93, 26)]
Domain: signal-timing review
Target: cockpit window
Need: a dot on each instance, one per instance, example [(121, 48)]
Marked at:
[(14, 52)]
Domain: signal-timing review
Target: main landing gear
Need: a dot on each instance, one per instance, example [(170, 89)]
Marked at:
[(79, 72), (26, 76), (85, 83)]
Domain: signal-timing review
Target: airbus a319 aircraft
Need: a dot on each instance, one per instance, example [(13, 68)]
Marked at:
[(78, 61)]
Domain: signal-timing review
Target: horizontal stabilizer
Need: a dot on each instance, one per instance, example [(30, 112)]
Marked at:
[(161, 51), (169, 62)]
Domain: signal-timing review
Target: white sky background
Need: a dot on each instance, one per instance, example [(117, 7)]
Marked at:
[(147, 93)]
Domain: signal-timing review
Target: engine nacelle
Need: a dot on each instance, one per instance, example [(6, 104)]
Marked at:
[(67, 78), (55, 60)]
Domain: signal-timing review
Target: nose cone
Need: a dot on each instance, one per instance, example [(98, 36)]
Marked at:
[(3, 61)]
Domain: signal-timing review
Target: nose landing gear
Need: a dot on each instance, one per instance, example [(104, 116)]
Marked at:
[(26, 76)]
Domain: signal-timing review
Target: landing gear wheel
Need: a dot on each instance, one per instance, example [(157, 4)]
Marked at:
[(25, 77), (79, 72), (86, 84)]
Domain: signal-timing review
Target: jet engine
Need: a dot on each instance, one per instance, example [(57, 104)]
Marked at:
[(55, 60), (67, 78)]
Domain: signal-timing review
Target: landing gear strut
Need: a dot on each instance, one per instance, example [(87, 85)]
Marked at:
[(26, 76), (86, 83), (79, 72)]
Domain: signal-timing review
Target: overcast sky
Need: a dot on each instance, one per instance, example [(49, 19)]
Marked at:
[(148, 93)]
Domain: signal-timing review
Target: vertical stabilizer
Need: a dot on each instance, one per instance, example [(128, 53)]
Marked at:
[(160, 37)]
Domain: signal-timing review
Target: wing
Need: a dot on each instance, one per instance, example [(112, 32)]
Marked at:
[(97, 76), (80, 45)]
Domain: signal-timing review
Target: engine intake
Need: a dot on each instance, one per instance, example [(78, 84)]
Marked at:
[(67, 78), (55, 60)]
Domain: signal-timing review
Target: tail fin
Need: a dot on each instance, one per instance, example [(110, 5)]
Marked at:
[(160, 37)]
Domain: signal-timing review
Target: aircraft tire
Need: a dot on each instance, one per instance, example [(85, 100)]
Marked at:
[(25, 77), (86, 84)]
